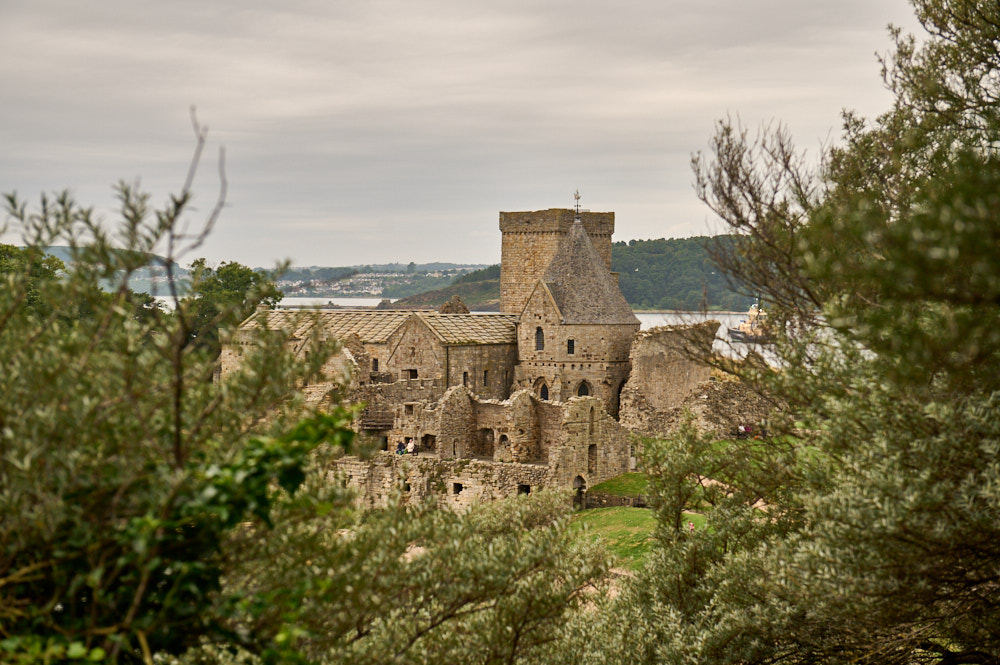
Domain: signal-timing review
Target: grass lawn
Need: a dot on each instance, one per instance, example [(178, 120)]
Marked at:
[(627, 484), (626, 532)]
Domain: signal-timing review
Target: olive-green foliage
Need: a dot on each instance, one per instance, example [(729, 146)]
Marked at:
[(123, 469), (26, 273), (870, 531), (223, 297), (417, 584)]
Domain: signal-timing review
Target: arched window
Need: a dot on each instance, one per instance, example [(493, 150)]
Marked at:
[(539, 339), (570, 347), (583, 390), (543, 392)]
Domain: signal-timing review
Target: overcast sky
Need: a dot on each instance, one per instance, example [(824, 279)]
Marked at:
[(395, 130)]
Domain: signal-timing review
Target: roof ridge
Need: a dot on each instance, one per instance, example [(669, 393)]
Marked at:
[(581, 286)]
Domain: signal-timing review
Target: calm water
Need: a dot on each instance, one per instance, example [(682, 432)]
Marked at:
[(305, 302)]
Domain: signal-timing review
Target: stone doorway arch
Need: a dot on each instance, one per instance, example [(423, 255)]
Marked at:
[(579, 488)]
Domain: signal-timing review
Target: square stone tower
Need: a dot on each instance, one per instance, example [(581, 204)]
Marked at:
[(530, 240)]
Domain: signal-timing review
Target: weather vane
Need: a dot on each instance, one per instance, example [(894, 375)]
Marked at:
[(576, 195)]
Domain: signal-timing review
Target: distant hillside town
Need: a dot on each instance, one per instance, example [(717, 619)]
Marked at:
[(663, 274)]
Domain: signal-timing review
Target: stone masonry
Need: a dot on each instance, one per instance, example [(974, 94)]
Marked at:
[(531, 239), (545, 394)]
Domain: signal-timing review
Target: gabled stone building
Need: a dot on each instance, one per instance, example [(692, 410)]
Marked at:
[(494, 404), (575, 329)]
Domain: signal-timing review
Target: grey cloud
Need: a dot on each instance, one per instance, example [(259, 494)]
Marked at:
[(396, 129)]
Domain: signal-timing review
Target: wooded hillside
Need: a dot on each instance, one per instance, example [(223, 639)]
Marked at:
[(675, 273)]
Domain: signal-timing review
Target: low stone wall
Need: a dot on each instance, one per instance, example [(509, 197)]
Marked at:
[(600, 500), (454, 483)]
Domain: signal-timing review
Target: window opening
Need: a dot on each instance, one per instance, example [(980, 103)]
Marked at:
[(583, 390), (456, 488), (539, 339), (486, 377), (465, 378), (524, 489), (429, 442), (543, 392), (411, 373), (570, 347), (374, 364)]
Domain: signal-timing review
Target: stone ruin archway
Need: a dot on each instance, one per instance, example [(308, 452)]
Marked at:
[(579, 489), (541, 389)]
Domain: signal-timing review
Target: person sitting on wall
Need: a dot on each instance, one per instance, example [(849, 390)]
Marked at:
[(411, 447), (400, 449)]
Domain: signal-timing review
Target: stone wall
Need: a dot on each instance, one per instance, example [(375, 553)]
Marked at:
[(587, 443), (455, 484), (415, 348), (599, 500), (531, 239), (664, 373), (466, 365), (719, 407), (600, 354), (573, 443), (385, 402)]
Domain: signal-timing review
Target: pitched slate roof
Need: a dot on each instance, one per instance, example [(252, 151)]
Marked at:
[(375, 326), (584, 290), (372, 326), (472, 328)]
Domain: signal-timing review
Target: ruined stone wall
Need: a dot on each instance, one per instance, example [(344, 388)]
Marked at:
[(466, 364), (719, 407), (664, 373), (385, 402), (455, 484), (488, 449), (586, 443), (531, 239), (525, 428), (457, 424)]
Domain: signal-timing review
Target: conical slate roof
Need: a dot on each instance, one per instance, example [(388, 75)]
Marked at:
[(584, 290)]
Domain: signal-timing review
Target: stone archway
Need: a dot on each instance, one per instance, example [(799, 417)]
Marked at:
[(542, 389), (484, 443), (584, 389), (580, 489)]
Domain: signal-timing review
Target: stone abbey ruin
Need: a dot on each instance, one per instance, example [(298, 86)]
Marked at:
[(553, 391)]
